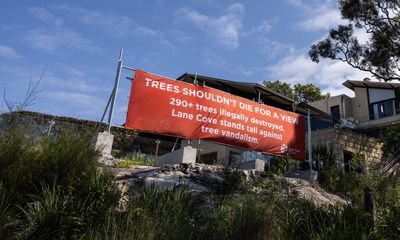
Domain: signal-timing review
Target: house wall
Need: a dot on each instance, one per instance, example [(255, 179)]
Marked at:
[(344, 102), (321, 104), (347, 106), (360, 105)]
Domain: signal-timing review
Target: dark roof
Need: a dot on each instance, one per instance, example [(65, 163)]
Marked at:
[(251, 89), (248, 87), (351, 84)]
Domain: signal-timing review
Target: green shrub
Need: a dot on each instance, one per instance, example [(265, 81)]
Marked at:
[(137, 158), (279, 165), (124, 164), (391, 140), (233, 181), (155, 214), (239, 217), (58, 174), (4, 209), (52, 188)]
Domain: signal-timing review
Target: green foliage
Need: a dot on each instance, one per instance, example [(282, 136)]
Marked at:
[(307, 93), (324, 157), (137, 158), (280, 165), (124, 164), (238, 217), (53, 189), (391, 140), (280, 87), (45, 217), (300, 93), (356, 163), (386, 191), (153, 214), (57, 175), (380, 54), (4, 206), (233, 181), (332, 177)]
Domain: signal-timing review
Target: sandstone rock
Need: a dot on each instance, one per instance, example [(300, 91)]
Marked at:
[(313, 192)]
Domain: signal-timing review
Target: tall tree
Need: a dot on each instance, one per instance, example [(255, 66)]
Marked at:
[(301, 93), (379, 55), (307, 93), (280, 87)]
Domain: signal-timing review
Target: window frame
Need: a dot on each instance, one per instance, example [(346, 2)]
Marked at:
[(338, 108), (380, 105)]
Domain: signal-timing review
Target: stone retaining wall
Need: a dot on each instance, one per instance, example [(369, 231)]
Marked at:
[(339, 140), (125, 140)]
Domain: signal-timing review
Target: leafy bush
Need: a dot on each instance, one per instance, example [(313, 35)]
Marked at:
[(391, 140), (124, 164), (279, 165), (4, 206), (52, 188), (238, 217), (153, 214), (137, 158), (58, 175), (233, 181)]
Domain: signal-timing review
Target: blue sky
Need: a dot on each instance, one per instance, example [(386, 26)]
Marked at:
[(79, 41)]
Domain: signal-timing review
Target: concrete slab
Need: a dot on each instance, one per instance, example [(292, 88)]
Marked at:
[(256, 164), (103, 143), (182, 155)]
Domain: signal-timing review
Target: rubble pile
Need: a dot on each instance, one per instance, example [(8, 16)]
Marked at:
[(204, 180), (198, 178)]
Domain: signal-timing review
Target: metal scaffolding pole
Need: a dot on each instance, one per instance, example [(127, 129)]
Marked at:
[(115, 90), (309, 140)]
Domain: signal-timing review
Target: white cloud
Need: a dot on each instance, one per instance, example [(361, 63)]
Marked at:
[(327, 74), (361, 35), (112, 25), (55, 36), (8, 52), (224, 29), (84, 100), (45, 16), (319, 16), (296, 3), (73, 71), (79, 103), (214, 60), (72, 79), (49, 39), (245, 72), (263, 28), (69, 83), (273, 48), (260, 35), (322, 19)]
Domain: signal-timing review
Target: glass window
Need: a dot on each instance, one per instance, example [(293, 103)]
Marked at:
[(335, 112), (388, 107), (382, 109)]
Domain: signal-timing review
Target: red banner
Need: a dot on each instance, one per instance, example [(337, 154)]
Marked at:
[(172, 107)]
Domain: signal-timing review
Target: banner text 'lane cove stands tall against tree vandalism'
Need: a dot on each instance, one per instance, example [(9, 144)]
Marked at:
[(165, 106)]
